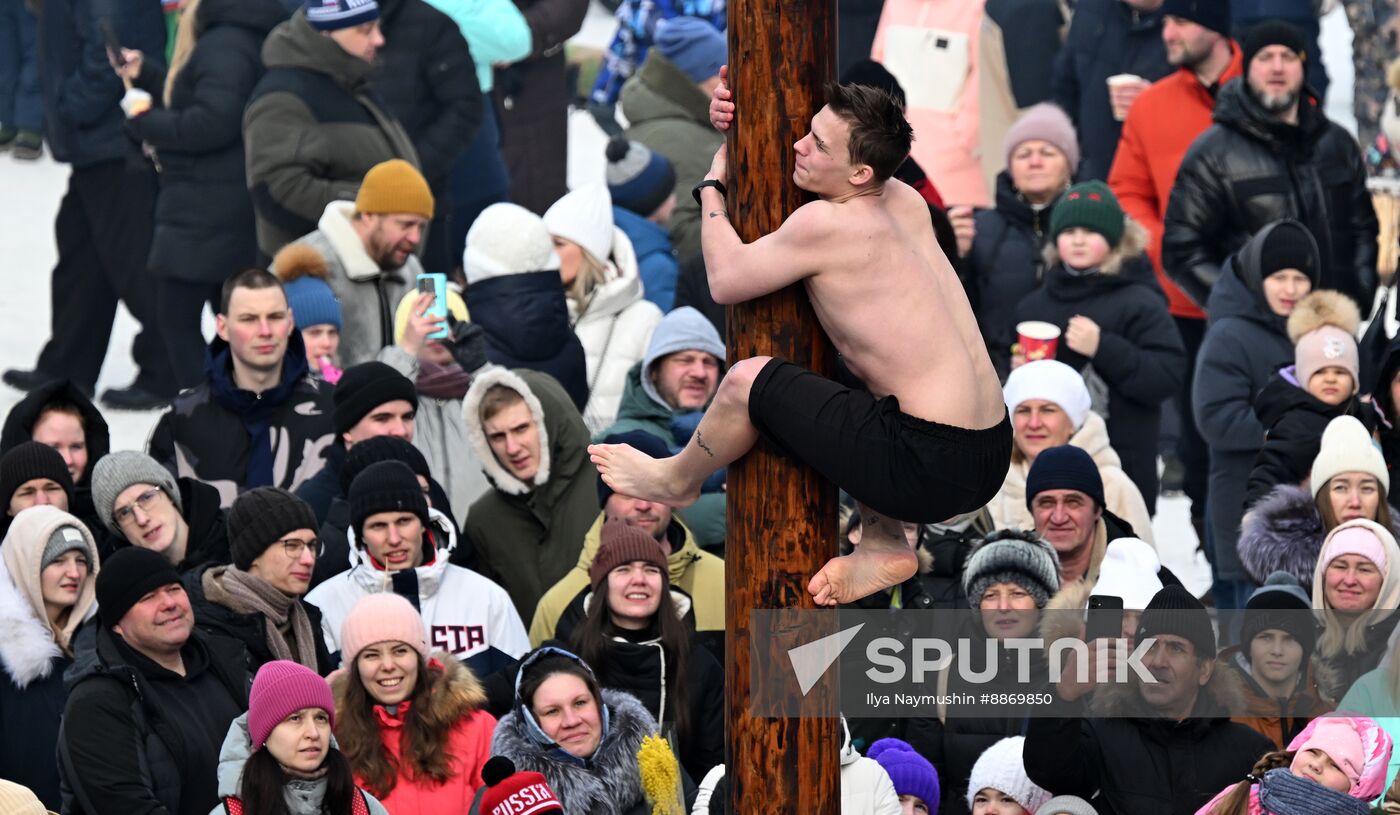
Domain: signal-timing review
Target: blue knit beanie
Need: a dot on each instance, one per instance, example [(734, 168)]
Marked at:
[(1064, 468), (911, 773), (313, 303), (639, 179), (693, 45)]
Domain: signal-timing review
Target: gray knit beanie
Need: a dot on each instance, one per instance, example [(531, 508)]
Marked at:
[(63, 540), (1013, 556), (114, 472)]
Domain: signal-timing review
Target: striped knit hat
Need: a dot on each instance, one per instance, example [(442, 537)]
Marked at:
[(333, 15)]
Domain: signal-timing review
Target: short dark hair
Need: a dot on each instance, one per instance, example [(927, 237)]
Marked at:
[(246, 279), (880, 135)]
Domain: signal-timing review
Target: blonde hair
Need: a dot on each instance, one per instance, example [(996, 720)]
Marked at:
[(592, 273), (185, 35)]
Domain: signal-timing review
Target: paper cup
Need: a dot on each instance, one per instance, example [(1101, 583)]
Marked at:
[(1038, 340), (1121, 81)]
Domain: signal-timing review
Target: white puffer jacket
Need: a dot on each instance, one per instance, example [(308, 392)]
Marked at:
[(615, 326)]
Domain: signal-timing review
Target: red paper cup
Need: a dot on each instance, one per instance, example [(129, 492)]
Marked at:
[(1038, 340)]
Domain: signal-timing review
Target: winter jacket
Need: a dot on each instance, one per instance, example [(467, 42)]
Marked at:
[(1106, 37), (425, 75), (214, 431), (525, 318), (946, 112), (1161, 125), (614, 328), (636, 33), (204, 230), (82, 114), (1016, 50), (699, 574), (463, 613), (1293, 421), (533, 98), (1140, 357), (33, 655), (1121, 497), (250, 629), (609, 782), (496, 33), (668, 112), (1129, 762), (336, 534), (1006, 264), (19, 428), (528, 536), (1342, 671), (1248, 170), (312, 129), (866, 789), (440, 436), (639, 411), (208, 529), (1283, 532), (139, 738), (1245, 344), (636, 663), (367, 294), (1278, 719), (302, 797), (656, 259), (456, 700), (1380, 394)]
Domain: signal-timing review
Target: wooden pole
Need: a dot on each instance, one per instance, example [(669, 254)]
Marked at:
[(782, 515)]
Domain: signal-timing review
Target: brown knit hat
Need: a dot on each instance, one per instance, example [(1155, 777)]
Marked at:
[(619, 544), (394, 186)]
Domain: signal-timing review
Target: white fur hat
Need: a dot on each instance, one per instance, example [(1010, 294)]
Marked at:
[(584, 216), (1347, 448), (1052, 381), (507, 239), (1002, 768), (1129, 570)]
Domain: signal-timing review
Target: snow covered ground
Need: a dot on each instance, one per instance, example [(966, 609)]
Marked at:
[(30, 194)]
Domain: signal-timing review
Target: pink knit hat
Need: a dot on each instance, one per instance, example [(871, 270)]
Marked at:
[(1356, 744), (281, 688), (1326, 347), (1355, 540), (384, 617), (1044, 122)]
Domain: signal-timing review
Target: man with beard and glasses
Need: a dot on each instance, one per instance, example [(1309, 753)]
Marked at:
[(1271, 154), (369, 246), (1161, 126), (259, 419)]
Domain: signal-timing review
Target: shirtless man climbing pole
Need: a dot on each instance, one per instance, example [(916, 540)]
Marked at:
[(930, 438)]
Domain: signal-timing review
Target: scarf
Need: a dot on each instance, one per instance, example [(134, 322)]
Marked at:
[(1283, 793), (246, 594), (442, 381)]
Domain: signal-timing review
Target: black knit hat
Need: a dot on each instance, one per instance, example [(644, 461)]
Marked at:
[(1064, 468), (1272, 32), (380, 448), (1289, 245), (1282, 604), (29, 461), (128, 575), (366, 386), (642, 442), (1213, 14), (260, 517), (385, 486), (1174, 610)]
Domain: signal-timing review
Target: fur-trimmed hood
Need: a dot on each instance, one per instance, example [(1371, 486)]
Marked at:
[(1131, 247), (1222, 695), (499, 476), (455, 692), (1283, 532), (608, 782), (1323, 307), (28, 643)]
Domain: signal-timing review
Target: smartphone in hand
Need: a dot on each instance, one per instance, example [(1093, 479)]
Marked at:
[(1105, 618), (435, 283), (114, 45)]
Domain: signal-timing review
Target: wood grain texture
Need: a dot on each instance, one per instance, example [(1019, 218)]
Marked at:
[(782, 515)]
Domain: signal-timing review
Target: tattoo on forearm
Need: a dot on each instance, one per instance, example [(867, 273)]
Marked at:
[(718, 213), (700, 442)]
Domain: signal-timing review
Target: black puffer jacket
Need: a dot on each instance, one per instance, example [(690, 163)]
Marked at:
[(1140, 355), (1245, 344), (19, 428), (1380, 390), (426, 77), (204, 216), (1006, 264), (1247, 170), (526, 322), (1294, 420)]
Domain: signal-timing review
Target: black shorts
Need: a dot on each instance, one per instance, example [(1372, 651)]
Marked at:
[(898, 465)]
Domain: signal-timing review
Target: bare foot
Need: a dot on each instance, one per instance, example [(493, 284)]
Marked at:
[(633, 473), (860, 574)]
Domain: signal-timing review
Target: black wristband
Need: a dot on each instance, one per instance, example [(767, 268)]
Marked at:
[(695, 191)]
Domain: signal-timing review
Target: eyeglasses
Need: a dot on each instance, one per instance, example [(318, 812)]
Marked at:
[(144, 502), (294, 547)]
